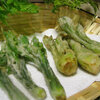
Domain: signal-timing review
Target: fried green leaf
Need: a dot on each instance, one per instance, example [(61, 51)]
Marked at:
[(88, 60), (18, 67), (64, 57)]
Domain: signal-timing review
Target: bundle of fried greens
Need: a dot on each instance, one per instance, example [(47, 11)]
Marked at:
[(34, 52), (5, 83), (20, 71), (18, 68), (64, 57), (86, 50)]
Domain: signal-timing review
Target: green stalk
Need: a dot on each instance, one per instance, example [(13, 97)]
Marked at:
[(82, 35), (88, 60), (9, 88), (64, 57)]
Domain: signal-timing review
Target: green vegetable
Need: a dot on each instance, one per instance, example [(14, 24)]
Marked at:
[(80, 32), (88, 60), (3, 58), (35, 52), (67, 25), (64, 57), (55, 88), (5, 83), (14, 6), (9, 88), (72, 3), (18, 67)]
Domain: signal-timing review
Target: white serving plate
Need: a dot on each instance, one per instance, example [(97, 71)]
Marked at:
[(72, 84)]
